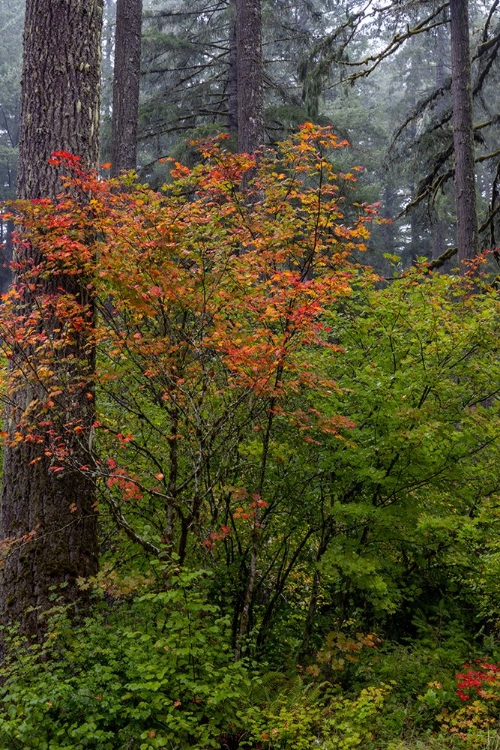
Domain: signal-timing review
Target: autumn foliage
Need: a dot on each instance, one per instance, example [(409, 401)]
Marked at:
[(203, 303)]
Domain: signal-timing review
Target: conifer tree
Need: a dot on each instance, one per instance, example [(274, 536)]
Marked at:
[(126, 80), (463, 131), (49, 517)]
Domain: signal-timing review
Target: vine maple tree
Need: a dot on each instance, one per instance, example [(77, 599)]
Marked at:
[(207, 307)]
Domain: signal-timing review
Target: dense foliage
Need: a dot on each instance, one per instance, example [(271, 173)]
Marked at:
[(296, 464)]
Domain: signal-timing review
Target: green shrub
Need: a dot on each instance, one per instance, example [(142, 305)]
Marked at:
[(158, 672)]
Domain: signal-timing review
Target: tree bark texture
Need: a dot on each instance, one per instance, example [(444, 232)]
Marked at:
[(463, 132), (438, 224), (59, 111), (126, 80), (232, 85), (60, 90), (249, 75)]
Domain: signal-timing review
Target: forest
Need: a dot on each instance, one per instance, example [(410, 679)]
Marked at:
[(249, 337)]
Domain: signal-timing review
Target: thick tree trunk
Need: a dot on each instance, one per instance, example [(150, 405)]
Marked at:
[(232, 86), (463, 132), (126, 80), (60, 90), (249, 75), (59, 111), (438, 224)]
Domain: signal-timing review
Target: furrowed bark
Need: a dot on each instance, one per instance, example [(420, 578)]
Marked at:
[(51, 515)]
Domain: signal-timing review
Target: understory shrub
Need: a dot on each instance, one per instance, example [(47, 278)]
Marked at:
[(156, 672)]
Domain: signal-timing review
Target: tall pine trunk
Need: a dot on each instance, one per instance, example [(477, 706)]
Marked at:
[(438, 224), (250, 75), (232, 86), (126, 81), (59, 111), (463, 132)]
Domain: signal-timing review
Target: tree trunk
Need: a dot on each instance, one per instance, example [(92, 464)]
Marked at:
[(6, 256), (438, 224), (463, 132), (108, 51), (232, 86), (249, 75), (126, 80), (59, 111), (388, 213)]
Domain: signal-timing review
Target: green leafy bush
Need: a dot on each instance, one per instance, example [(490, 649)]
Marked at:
[(157, 672)]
